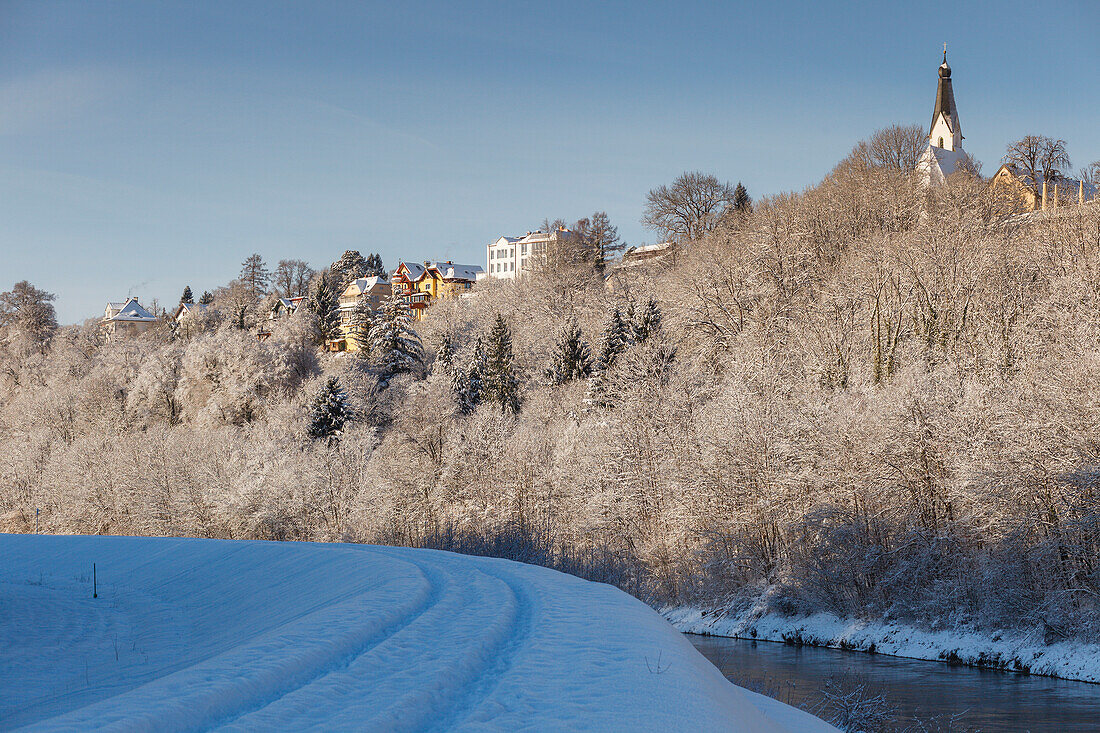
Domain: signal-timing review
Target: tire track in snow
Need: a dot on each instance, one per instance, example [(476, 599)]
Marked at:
[(418, 676), (437, 591), (469, 710)]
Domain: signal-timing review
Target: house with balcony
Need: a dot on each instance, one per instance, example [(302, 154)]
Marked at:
[(419, 284), (371, 291)]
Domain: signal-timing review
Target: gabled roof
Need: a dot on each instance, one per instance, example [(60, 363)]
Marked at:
[(190, 309), (413, 270), (365, 284), (451, 271), (131, 310)]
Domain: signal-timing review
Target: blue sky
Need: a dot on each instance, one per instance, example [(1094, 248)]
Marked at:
[(145, 145)]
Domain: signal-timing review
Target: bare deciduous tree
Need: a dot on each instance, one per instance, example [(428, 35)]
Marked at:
[(1040, 157), (689, 208)]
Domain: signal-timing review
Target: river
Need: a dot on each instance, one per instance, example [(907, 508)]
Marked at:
[(985, 700)]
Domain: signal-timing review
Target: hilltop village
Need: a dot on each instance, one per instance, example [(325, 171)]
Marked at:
[(1030, 179), (873, 399)]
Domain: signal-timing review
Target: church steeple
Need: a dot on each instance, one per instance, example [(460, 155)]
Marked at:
[(945, 131)]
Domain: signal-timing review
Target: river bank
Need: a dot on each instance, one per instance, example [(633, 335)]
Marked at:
[(1016, 652)]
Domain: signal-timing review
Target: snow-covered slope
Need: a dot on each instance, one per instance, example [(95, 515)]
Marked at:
[(201, 634)]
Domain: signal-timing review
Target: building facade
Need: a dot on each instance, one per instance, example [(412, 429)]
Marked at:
[(512, 257), (126, 319), (419, 284)]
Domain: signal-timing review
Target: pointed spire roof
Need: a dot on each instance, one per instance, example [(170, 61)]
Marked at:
[(945, 99)]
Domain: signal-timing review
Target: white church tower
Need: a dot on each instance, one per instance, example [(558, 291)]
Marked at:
[(944, 153)]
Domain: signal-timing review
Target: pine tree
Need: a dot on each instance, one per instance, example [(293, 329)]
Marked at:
[(393, 341), (500, 380), (375, 268), (187, 296), (616, 337), (255, 274), (445, 354), (330, 411), (359, 321), (468, 384), (648, 322), (351, 266), (570, 358), (741, 201), (207, 298), (323, 302)]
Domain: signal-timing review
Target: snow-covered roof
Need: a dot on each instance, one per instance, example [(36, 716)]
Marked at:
[(936, 164), (189, 309), (415, 269), (131, 310), (452, 271), (366, 284), (651, 247)]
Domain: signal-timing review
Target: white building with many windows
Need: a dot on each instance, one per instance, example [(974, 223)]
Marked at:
[(510, 257)]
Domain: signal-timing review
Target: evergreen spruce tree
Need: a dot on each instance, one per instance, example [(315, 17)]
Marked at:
[(648, 322), (393, 341), (375, 268), (616, 337), (349, 267), (501, 382), (468, 384), (330, 411), (570, 358), (323, 302), (741, 201), (445, 354), (359, 321), (187, 296), (207, 298)]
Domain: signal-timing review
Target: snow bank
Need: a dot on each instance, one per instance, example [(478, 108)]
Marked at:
[(202, 634), (1015, 652)]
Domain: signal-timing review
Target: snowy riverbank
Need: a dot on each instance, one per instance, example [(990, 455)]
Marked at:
[(1015, 652), (202, 634)]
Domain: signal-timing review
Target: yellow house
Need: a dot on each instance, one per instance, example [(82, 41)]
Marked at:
[(421, 283), (370, 290), (1014, 183)]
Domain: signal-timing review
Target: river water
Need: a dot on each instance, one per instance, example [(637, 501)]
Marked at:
[(981, 699)]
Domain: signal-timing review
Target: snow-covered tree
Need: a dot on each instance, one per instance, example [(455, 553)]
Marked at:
[(323, 302), (349, 267), (359, 322), (616, 338), (500, 378), (27, 314), (646, 323), (445, 354), (187, 296), (207, 298), (570, 358), (394, 344), (329, 411), (468, 384)]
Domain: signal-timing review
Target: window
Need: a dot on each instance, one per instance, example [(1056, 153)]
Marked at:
[(523, 249), (941, 143)]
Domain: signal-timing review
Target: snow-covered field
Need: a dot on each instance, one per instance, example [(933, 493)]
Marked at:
[(1016, 652), (200, 634)]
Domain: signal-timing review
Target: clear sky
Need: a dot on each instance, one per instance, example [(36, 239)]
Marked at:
[(149, 145)]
